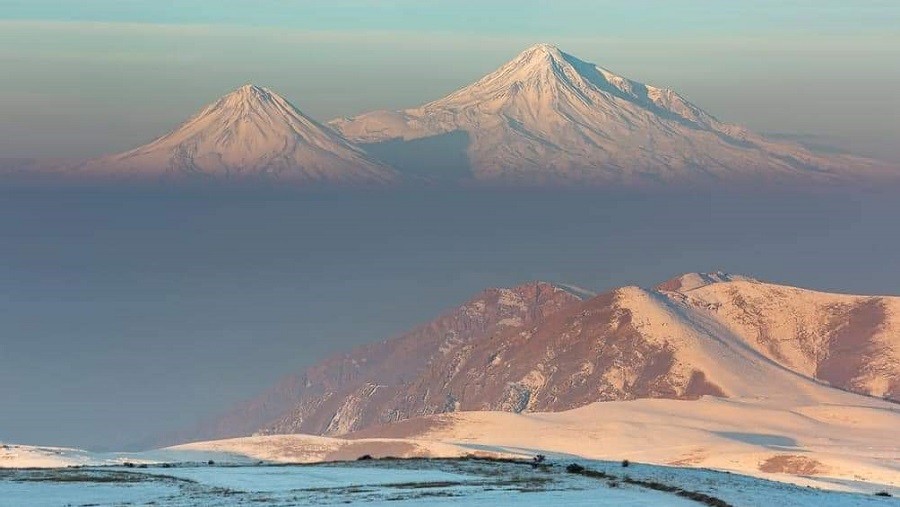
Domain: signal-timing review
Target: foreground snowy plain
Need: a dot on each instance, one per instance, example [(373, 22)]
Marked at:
[(407, 482)]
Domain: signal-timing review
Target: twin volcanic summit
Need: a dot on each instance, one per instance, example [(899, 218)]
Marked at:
[(546, 117)]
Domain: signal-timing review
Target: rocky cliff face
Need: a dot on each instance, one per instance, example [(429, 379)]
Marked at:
[(383, 383), (370, 384)]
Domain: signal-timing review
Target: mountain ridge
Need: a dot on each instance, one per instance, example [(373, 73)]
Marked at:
[(538, 347), (544, 118)]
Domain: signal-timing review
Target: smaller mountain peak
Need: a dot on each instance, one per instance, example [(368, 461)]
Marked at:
[(251, 89), (691, 281), (250, 95), (544, 47), (542, 50)]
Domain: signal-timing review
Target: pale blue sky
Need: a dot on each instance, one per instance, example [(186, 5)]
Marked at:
[(473, 16), (94, 76)]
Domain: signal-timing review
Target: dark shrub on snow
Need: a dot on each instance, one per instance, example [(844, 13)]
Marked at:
[(574, 468)]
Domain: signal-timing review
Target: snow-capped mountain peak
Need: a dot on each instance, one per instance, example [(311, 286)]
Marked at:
[(549, 117), (250, 97), (250, 132), (539, 56), (250, 91)]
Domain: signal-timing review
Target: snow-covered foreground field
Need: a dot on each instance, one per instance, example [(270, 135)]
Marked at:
[(781, 450), (407, 482), (847, 445)]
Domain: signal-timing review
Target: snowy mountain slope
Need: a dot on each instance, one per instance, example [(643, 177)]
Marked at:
[(538, 347), (852, 342), (626, 344), (251, 132), (549, 117)]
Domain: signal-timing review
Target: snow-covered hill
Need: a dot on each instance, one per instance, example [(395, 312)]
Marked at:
[(841, 441), (249, 133), (848, 341), (540, 348), (549, 117)]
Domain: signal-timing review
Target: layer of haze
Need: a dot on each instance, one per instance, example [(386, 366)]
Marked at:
[(126, 313), (107, 75)]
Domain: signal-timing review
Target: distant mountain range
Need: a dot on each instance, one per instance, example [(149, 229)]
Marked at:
[(541, 347), (544, 118)]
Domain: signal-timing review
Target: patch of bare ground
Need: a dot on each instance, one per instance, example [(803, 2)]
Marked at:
[(354, 450), (792, 464), (76, 475), (694, 457)]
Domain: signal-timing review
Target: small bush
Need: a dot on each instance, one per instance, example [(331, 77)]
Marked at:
[(574, 468), (626, 463), (364, 457), (883, 493), (210, 462)]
